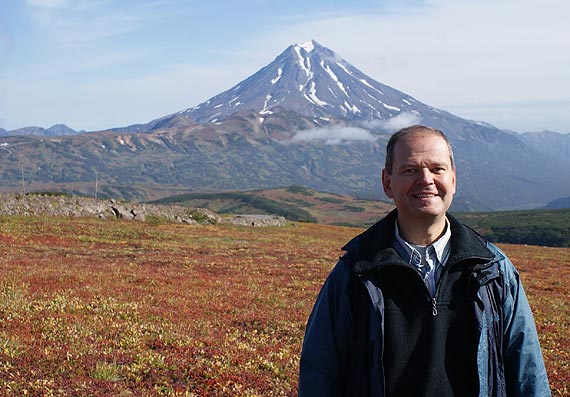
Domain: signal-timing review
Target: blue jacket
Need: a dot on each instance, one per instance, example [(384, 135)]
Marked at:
[(343, 345)]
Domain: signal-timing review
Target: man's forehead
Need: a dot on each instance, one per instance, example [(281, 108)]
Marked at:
[(411, 150), (418, 143), (420, 135)]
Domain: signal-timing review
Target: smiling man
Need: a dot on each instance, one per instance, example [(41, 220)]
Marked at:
[(421, 305)]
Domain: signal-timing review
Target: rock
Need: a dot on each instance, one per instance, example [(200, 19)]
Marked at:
[(72, 206), (121, 212)]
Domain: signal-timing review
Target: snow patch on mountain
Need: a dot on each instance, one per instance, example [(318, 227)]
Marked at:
[(352, 108), (308, 45), (313, 95), (391, 107), (304, 62), (279, 74), (265, 109)]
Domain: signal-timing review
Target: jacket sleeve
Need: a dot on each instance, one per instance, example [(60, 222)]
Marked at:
[(525, 373), (325, 352)]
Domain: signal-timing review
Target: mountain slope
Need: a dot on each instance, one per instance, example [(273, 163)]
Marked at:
[(549, 143)]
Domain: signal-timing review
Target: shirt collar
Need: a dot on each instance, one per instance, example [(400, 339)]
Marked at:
[(440, 246)]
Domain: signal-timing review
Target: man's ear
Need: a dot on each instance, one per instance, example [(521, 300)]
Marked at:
[(387, 183)]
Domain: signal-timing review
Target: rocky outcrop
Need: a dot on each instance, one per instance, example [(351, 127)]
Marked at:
[(73, 206), (69, 206)]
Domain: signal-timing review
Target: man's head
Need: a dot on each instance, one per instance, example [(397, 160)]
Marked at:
[(419, 174), (410, 132)]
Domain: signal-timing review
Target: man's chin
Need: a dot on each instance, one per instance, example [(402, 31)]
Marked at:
[(429, 212)]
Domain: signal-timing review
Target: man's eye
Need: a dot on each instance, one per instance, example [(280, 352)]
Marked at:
[(409, 171)]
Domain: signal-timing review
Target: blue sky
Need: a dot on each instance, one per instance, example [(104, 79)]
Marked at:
[(96, 64)]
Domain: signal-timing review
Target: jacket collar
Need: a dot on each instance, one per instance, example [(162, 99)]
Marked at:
[(374, 248)]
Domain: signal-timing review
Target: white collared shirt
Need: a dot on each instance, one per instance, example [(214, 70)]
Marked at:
[(429, 260)]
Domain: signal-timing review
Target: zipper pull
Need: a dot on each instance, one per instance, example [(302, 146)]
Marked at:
[(434, 306)]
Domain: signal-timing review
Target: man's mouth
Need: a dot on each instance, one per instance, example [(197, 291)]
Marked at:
[(424, 195)]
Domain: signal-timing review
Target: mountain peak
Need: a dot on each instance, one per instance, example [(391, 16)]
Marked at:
[(311, 45), (313, 81), (308, 45)]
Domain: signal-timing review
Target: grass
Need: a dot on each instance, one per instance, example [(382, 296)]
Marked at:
[(119, 308)]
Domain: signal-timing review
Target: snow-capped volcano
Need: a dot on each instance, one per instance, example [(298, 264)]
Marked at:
[(313, 81)]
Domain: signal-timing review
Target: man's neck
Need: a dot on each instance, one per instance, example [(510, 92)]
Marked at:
[(421, 234)]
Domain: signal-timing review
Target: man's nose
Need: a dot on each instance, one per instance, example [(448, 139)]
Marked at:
[(425, 176)]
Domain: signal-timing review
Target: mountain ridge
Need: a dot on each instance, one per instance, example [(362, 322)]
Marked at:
[(54, 130)]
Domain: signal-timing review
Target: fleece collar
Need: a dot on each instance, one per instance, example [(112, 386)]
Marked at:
[(374, 248)]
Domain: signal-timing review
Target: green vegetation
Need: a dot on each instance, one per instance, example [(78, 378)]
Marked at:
[(49, 193), (332, 200), (239, 203), (300, 190), (352, 208), (535, 227)]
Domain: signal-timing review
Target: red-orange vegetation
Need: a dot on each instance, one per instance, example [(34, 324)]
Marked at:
[(112, 308), (545, 272)]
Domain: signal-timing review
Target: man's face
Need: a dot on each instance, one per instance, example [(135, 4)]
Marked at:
[(422, 182)]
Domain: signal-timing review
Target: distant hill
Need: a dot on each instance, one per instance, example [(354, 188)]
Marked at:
[(55, 130), (563, 202), (550, 144), (294, 203)]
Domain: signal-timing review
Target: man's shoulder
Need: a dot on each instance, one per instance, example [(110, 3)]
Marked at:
[(376, 237)]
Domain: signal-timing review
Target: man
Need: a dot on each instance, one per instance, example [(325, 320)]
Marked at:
[(421, 305)]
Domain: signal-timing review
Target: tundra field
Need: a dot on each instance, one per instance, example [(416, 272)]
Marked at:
[(118, 308)]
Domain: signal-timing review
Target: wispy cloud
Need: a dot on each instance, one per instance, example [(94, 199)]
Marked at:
[(400, 121), (339, 134), (334, 135), (46, 3), (79, 21)]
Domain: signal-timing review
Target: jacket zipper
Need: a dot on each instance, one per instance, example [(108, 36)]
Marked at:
[(434, 298), (436, 294)]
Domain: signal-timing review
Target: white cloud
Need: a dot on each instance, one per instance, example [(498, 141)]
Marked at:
[(67, 22), (333, 136), (400, 121), (46, 3), (338, 134)]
